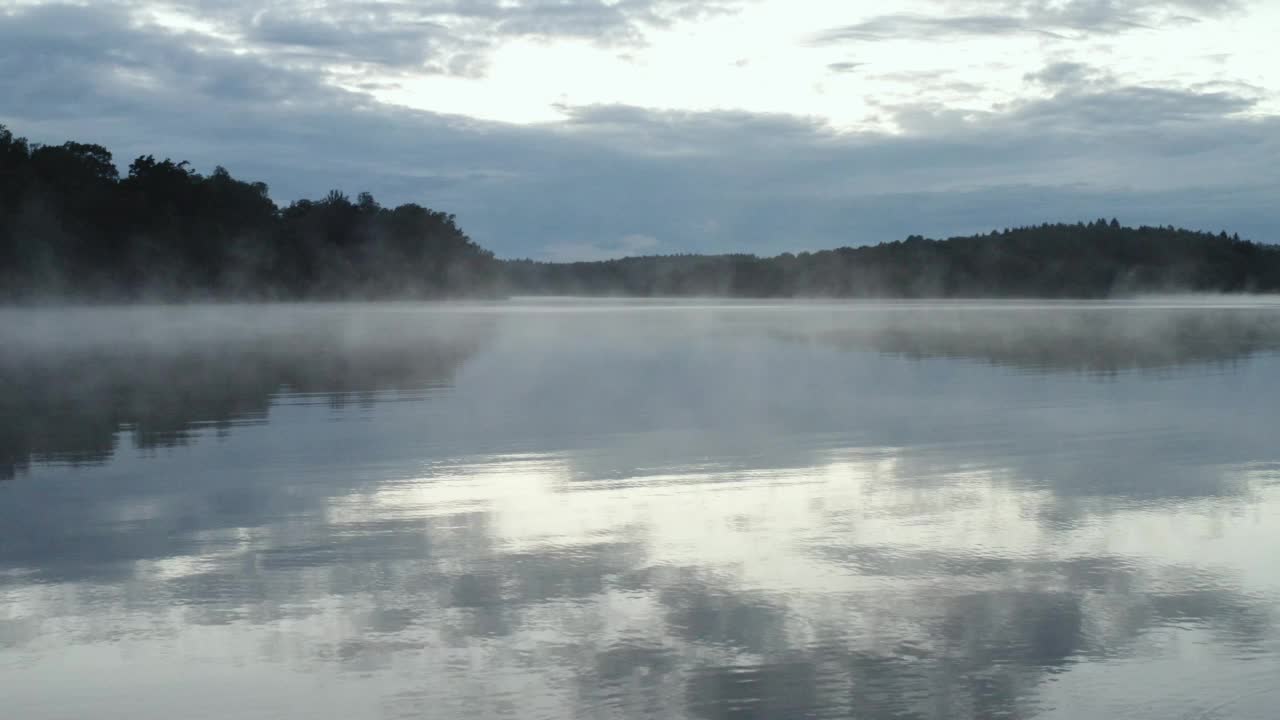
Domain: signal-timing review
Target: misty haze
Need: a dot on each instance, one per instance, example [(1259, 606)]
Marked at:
[(701, 509), (639, 360)]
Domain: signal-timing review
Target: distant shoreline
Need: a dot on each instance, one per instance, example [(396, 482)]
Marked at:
[(73, 230)]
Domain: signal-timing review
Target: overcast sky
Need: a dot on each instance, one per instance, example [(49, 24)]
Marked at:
[(572, 129)]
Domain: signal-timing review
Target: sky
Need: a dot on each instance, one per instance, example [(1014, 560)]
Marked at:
[(588, 129)]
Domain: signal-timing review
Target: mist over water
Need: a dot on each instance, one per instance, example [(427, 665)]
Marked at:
[(641, 509)]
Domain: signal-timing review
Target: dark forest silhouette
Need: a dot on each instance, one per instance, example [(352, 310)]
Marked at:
[(72, 227), (1082, 260)]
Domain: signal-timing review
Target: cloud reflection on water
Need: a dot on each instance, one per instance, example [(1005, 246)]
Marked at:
[(576, 524)]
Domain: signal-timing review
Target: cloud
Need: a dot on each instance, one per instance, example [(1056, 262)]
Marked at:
[(415, 36), (1068, 74), (714, 181), (1139, 107), (385, 39), (623, 21), (1045, 18), (890, 27), (844, 67)]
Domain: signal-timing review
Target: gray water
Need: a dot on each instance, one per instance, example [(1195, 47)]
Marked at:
[(559, 509)]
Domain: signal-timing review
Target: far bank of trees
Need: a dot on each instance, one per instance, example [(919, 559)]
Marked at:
[(73, 227), (1082, 260)]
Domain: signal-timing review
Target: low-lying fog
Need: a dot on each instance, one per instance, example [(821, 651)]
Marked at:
[(705, 509)]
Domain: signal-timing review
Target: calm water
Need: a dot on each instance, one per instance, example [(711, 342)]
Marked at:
[(641, 510)]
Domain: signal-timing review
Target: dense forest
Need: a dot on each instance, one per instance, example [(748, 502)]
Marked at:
[(72, 227), (1082, 260)]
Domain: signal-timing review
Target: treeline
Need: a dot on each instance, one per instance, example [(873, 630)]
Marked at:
[(1082, 260), (72, 227)]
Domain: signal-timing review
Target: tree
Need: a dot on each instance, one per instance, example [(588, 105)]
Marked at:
[(166, 229), (70, 224)]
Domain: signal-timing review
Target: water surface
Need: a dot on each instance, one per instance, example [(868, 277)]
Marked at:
[(621, 509)]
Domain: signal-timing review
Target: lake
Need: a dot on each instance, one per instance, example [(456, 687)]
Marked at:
[(641, 509)]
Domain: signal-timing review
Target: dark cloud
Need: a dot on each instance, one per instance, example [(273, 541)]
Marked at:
[(1143, 107), (353, 40), (72, 59), (443, 36), (889, 27), (844, 67), (1067, 74), (1029, 17), (376, 38), (622, 21), (607, 175)]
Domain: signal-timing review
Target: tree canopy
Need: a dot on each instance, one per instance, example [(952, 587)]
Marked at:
[(72, 227), (1081, 260)]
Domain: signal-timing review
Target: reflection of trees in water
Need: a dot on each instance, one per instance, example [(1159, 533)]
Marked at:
[(1093, 340), (65, 400)]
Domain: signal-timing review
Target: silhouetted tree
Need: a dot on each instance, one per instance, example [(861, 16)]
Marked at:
[(1096, 259), (71, 226)]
